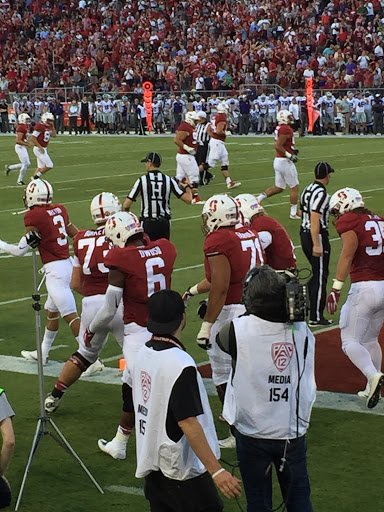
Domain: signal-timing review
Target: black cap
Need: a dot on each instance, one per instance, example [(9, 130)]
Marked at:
[(5, 494), (165, 310), (154, 158), (322, 170)]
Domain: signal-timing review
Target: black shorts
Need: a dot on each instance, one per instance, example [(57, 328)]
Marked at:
[(157, 228), (201, 154)]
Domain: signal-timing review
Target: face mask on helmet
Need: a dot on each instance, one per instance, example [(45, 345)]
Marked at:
[(345, 200), (191, 118), (120, 227), (222, 108), (219, 211), (38, 192), (103, 205)]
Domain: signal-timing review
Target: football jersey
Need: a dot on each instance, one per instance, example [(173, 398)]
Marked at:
[(51, 220), (90, 248), (285, 129), (368, 261), (23, 128), (243, 250), (190, 140), (280, 254), (215, 120), (147, 270), (284, 102), (42, 134)]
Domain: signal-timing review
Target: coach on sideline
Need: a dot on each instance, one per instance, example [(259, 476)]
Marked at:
[(155, 189), (176, 444), (270, 392)]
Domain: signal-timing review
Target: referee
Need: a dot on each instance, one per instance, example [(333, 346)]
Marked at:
[(314, 205), (203, 139), (155, 189)]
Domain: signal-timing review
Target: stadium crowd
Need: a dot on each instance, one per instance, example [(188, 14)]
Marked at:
[(179, 45)]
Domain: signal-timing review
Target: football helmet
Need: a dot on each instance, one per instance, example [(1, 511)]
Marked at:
[(191, 118), (222, 108), (24, 119), (103, 205), (284, 117), (122, 226), (248, 206), (345, 200), (38, 192), (219, 211), (47, 116)]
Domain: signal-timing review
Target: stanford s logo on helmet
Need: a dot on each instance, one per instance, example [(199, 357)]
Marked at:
[(103, 205), (122, 226), (38, 192), (284, 117), (219, 211), (345, 200), (191, 118)]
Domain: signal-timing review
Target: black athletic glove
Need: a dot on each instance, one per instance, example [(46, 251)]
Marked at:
[(293, 158), (295, 151), (33, 239), (202, 309)]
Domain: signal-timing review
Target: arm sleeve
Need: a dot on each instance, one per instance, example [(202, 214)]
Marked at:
[(265, 238), (185, 400), (16, 250), (112, 300)]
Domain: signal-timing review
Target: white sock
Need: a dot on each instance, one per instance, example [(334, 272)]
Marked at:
[(14, 167), (121, 437), (260, 197), (49, 338), (293, 209), (228, 180)]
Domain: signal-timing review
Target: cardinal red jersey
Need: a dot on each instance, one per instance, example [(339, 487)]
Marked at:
[(42, 134), (285, 129), (91, 248), (243, 250), (24, 129), (147, 270), (368, 261), (51, 220), (215, 120), (280, 254), (190, 140)]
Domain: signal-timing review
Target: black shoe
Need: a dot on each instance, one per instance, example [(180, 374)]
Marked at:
[(320, 323), (20, 183)]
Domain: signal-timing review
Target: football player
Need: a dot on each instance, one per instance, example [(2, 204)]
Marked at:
[(362, 257), (329, 112), (21, 148), (217, 151), (280, 253), (186, 141), (284, 163), (41, 134), (137, 268), (90, 279), (48, 227), (229, 252)]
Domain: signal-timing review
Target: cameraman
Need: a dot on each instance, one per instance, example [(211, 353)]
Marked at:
[(271, 390), (7, 447)]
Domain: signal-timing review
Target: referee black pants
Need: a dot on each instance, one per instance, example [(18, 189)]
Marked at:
[(157, 228), (317, 285)]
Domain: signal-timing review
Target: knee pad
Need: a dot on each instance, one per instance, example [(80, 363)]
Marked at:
[(126, 393), (224, 167), (79, 361)]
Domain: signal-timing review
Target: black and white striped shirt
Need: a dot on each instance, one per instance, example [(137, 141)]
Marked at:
[(201, 134), (314, 198), (155, 189)]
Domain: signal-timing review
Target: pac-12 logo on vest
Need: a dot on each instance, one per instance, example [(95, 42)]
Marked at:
[(145, 385), (282, 355)]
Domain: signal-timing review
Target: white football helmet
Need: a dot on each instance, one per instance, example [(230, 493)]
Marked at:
[(345, 200), (249, 206), (38, 192), (103, 205), (191, 118), (219, 210), (120, 227), (284, 117), (47, 116), (24, 119), (222, 108)]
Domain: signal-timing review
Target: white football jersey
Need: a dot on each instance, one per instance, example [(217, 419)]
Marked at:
[(106, 106)]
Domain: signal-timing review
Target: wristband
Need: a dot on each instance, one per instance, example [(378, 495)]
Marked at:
[(217, 473), (337, 285), (288, 155), (193, 289)]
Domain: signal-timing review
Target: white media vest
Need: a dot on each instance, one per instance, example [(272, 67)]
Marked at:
[(261, 397), (154, 375)]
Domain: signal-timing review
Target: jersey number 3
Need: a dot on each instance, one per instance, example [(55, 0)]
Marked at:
[(377, 226)]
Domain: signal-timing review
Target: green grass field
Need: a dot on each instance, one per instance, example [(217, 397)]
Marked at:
[(344, 449)]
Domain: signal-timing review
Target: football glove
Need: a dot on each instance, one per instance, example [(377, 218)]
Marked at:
[(33, 239), (202, 309), (203, 336), (293, 158), (88, 335), (333, 301), (295, 151), (191, 292)]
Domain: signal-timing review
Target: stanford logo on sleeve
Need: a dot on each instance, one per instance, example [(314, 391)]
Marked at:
[(145, 385), (282, 355)]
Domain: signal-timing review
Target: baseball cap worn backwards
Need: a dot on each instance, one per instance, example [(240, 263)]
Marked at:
[(165, 309)]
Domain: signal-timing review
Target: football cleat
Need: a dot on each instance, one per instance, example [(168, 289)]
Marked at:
[(96, 367), (20, 183), (7, 170), (375, 383), (320, 323), (364, 393), (115, 448), (233, 184), (197, 200), (228, 442), (51, 403), (295, 217), (31, 355)]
